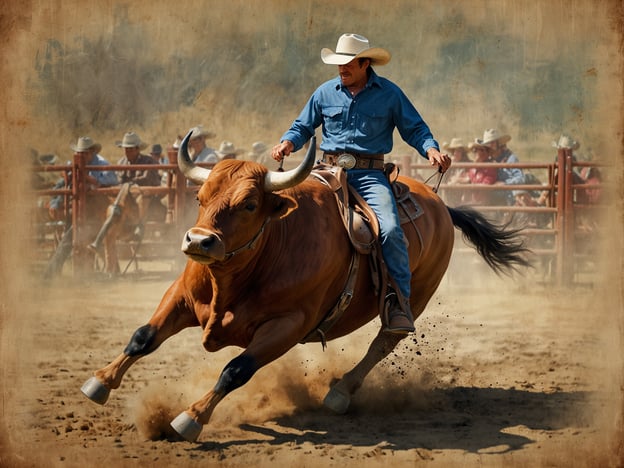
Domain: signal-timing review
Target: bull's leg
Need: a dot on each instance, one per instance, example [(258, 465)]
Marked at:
[(339, 396), (170, 317), (271, 340)]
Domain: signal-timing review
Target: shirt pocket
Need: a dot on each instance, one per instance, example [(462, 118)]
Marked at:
[(332, 118), (372, 123)]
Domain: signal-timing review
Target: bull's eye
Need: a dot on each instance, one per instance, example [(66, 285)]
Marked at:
[(250, 206)]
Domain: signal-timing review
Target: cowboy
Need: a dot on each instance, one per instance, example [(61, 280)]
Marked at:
[(130, 195), (228, 151), (198, 150), (458, 151), (258, 152), (568, 143), (89, 150), (480, 175), (157, 154), (500, 153), (358, 112)]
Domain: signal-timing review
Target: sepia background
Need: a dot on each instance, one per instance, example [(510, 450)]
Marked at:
[(244, 69)]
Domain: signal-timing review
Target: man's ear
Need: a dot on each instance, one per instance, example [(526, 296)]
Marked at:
[(281, 205)]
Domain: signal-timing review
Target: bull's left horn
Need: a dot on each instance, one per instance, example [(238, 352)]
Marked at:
[(282, 180), (192, 172)]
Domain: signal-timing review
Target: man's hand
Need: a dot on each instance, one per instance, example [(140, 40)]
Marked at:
[(443, 161), (282, 149)]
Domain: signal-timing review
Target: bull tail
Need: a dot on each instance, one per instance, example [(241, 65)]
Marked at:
[(502, 248)]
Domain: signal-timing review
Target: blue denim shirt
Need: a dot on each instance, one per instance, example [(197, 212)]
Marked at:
[(104, 178), (361, 124)]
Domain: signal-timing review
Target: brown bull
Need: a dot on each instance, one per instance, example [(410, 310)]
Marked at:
[(269, 257)]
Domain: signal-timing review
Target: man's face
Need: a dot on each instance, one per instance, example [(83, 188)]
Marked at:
[(353, 73), (197, 144), (495, 148), (481, 154), (132, 153), (85, 155)]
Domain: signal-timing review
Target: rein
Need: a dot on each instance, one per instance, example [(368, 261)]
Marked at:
[(440, 175), (249, 245)]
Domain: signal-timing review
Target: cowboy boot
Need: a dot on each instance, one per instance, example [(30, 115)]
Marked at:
[(397, 314), (114, 214)]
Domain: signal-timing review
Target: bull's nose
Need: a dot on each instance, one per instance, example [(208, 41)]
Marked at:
[(203, 244)]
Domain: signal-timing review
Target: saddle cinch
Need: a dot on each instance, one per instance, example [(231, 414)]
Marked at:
[(362, 227)]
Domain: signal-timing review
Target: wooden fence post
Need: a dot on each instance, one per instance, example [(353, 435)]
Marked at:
[(80, 256)]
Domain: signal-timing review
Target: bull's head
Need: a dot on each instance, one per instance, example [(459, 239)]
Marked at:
[(236, 203)]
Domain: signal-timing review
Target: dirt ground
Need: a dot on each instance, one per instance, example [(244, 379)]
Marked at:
[(500, 375)]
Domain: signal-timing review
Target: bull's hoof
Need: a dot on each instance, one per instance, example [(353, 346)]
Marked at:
[(95, 391), (337, 401), (187, 427)]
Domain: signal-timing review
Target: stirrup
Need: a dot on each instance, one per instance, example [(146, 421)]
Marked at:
[(396, 319)]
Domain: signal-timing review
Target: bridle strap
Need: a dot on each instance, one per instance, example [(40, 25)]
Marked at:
[(252, 242)]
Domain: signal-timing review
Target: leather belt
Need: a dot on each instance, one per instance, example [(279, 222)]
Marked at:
[(354, 160)]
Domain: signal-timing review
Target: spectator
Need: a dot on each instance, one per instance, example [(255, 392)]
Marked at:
[(199, 152), (479, 175), (89, 150), (158, 155), (531, 219), (500, 153), (130, 206), (455, 175), (567, 143), (592, 177), (228, 151), (259, 153)]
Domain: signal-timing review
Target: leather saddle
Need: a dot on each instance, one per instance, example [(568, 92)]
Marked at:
[(358, 218), (362, 227)]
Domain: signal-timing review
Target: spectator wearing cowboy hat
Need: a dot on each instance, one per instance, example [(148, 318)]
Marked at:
[(500, 153), (132, 146), (89, 150), (130, 206), (199, 152), (258, 152), (566, 142), (358, 111), (227, 150), (459, 154), (158, 155), (480, 175)]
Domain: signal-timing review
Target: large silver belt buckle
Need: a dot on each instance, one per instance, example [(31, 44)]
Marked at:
[(346, 161)]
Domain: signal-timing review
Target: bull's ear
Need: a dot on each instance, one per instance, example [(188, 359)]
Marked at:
[(282, 205)]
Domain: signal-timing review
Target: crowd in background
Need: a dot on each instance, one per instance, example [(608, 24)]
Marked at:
[(127, 214)]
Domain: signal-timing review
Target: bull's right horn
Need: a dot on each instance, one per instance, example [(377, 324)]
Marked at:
[(192, 172), (282, 180)]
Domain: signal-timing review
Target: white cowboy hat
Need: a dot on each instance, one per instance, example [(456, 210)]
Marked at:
[(490, 135), (477, 144), (352, 46), (257, 149), (85, 144), (176, 144), (567, 142), (131, 140), (199, 131), (454, 144), (227, 147)]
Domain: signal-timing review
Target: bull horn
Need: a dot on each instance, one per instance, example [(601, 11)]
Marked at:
[(192, 172), (282, 180)]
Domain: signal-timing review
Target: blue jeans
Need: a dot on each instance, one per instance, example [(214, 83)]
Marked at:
[(374, 187)]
